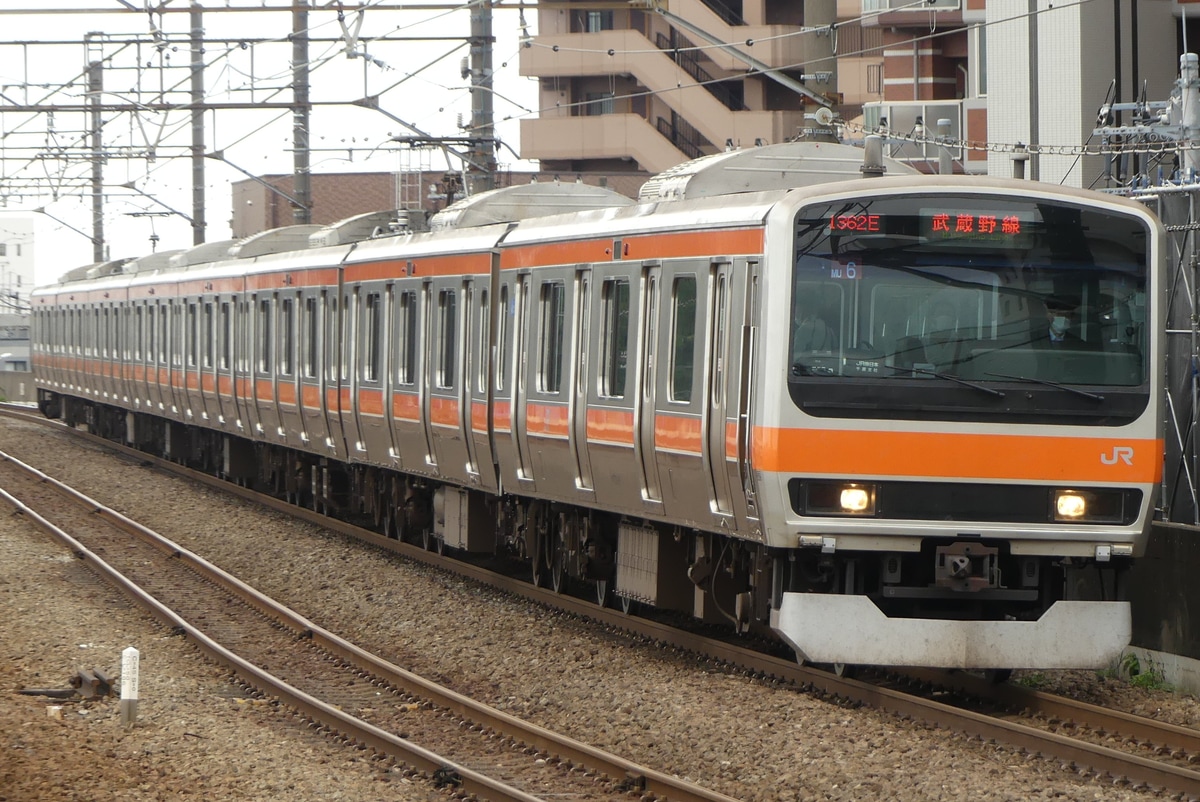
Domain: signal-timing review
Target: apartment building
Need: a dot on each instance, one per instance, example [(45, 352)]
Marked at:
[(638, 88)]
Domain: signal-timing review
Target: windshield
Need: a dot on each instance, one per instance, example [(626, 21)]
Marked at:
[(975, 290)]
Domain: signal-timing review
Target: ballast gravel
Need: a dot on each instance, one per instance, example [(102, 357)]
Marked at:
[(198, 736)]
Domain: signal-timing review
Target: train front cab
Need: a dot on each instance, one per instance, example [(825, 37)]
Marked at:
[(949, 485)]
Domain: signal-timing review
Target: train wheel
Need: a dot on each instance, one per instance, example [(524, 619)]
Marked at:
[(601, 586), (844, 670), (626, 604), (998, 676)]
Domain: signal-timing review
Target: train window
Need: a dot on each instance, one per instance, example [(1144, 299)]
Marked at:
[(683, 337), (348, 326), (287, 336), (502, 329), (193, 340), (139, 340), (484, 317), (553, 316), (614, 337), (206, 353), (162, 334), (331, 327), (447, 341), (105, 333), (151, 332), (372, 328), (719, 335), (406, 333), (312, 333), (224, 336), (264, 336), (177, 331)]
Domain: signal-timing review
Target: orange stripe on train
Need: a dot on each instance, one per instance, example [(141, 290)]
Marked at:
[(1000, 457), (649, 246)]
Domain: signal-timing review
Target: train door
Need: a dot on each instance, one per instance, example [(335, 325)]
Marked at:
[(290, 387), (445, 417), (243, 328), (549, 389), (474, 298), (613, 363), (577, 405), (644, 409), (683, 365), (347, 374), (223, 361), (520, 356), (750, 313), (331, 355), (714, 421), (367, 376), (312, 402), (405, 367), (479, 379)]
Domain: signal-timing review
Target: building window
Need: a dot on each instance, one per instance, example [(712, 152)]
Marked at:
[(598, 103)]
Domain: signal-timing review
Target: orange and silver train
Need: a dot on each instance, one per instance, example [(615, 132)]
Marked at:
[(906, 420)]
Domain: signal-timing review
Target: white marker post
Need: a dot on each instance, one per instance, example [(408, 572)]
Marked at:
[(129, 686)]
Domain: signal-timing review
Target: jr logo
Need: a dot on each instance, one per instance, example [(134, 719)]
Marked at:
[(1119, 454)]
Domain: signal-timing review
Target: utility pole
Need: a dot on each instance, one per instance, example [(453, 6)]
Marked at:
[(198, 222), (481, 169), (95, 100), (302, 184)]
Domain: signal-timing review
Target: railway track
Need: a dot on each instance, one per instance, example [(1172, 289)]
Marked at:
[(1126, 749), (341, 689)]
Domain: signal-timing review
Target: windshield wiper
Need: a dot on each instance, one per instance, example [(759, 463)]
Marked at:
[(1056, 385), (950, 377)]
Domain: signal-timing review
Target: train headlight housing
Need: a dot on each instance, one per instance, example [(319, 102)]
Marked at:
[(1069, 505), (1072, 505), (840, 498)]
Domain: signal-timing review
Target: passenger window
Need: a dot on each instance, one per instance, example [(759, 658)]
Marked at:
[(264, 336), (614, 334), (287, 336), (484, 328), (407, 338), (683, 337), (312, 334), (372, 326), (193, 340), (502, 328), (553, 320), (225, 335), (447, 309)]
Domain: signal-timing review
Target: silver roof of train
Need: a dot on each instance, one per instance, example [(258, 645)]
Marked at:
[(523, 201), (784, 166)]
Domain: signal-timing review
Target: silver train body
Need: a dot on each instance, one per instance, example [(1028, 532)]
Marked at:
[(635, 398)]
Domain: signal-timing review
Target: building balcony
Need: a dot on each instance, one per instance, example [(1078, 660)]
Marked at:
[(607, 136), (588, 55)]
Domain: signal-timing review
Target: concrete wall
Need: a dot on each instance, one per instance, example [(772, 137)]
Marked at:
[(17, 386)]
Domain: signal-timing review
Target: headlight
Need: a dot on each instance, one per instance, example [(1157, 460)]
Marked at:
[(1088, 506), (1069, 505), (840, 498)]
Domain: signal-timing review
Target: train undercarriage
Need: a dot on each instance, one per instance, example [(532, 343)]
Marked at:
[(969, 595)]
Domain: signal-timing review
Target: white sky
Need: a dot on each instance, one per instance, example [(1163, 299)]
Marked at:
[(418, 82)]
